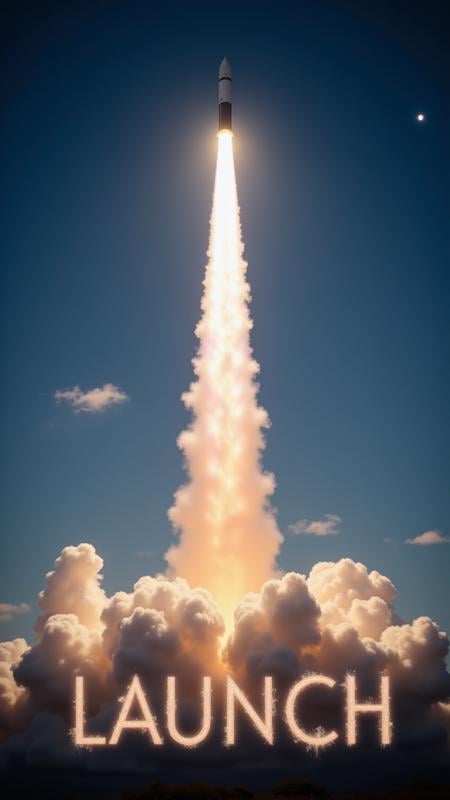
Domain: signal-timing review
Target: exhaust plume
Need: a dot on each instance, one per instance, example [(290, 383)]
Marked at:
[(228, 534)]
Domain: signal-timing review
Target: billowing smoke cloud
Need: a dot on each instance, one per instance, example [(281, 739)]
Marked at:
[(73, 587), (272, 629), (11, 694), (163, 627), (65, 648), (347, 592), (340, 618), (223, 515)]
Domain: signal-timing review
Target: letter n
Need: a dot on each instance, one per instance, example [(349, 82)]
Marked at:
[(264, 727)]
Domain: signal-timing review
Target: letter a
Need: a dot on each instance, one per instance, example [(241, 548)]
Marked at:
[(135, 692)]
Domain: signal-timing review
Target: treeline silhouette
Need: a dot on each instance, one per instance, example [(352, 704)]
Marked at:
[(293, 789)]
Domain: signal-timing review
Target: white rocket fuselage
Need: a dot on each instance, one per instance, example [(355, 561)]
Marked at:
[(224, 96)]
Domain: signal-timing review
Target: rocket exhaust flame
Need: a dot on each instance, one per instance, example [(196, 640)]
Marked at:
[(228, 534)]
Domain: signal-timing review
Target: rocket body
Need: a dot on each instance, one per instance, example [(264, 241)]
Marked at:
[(224, 96)]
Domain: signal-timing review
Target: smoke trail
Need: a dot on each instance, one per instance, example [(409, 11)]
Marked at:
[(228, 534)]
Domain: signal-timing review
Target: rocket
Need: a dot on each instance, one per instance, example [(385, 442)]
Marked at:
[(224, 96)]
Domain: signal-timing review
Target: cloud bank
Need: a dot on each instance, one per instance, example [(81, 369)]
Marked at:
[(339, 618)]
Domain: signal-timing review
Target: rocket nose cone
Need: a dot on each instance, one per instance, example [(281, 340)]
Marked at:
[(225, 69)]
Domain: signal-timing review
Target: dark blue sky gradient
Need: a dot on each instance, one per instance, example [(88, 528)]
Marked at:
[(107, 160)]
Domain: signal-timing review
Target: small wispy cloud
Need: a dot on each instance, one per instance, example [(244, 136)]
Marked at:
[(143, 553), (92, 401), (327, 526), (10, 610), (429, 538)]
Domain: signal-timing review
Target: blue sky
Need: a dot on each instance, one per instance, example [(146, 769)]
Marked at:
[(108, 122)]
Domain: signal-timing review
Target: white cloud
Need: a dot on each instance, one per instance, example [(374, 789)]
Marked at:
[(93, 400), (339, 618), (339, 584), (327, 526), (10, 610), (10, 693), (429, 537), (73, 587)]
